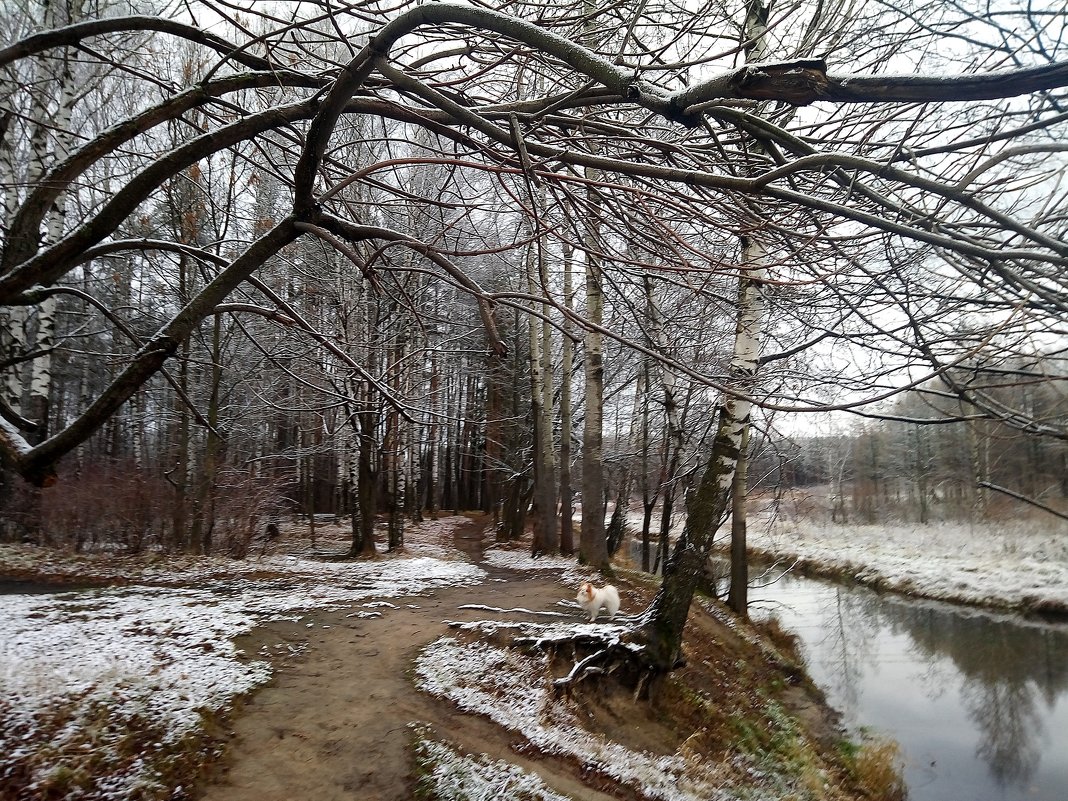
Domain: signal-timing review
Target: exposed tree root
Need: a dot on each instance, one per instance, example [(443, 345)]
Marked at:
[(617, 651)]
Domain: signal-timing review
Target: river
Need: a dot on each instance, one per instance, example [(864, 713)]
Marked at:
[(977, 701)]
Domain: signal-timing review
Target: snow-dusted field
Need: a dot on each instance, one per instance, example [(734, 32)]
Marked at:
[(1019, 564), (80, 670)]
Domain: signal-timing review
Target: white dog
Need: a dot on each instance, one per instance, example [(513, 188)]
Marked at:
[(592, 599)]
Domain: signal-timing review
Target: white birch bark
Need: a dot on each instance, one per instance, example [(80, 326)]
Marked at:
[(433, 491), (40, 388), (12, 318), (400, 454)]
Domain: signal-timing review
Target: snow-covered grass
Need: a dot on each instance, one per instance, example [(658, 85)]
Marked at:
[(109, 693), (448, 775), (566, 568), (1017, 564), (1020, 564), (515, 691)]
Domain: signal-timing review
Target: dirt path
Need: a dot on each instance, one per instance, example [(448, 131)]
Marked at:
[(335, 723)]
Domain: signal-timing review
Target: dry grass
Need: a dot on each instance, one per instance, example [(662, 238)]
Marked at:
[(876, 766)]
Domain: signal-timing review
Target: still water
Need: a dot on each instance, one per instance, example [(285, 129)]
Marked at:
[(978, 702)]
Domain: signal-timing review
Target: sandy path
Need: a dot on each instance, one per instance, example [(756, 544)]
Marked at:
[(335, 723)]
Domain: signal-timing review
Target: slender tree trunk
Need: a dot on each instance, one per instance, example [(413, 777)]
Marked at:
[(593, 544), (567, 358), (750, 300), (353, 454), (675, 443), (367, 479), (980, 468), (399, 470), (707, 505), (738, 595), (491, 499), (648, 494), (432, 483), (41, 368), (180, 472), (546, 535), (213, 447)]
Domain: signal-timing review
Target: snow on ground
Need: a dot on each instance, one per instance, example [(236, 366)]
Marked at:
[(511, 689), (1018, 564), (453, 776), (568, 570), (80, 670)]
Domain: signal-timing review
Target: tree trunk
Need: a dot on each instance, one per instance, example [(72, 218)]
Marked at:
[(593, 545), (353, 456), (45, 340), (399, 461), (491, 497), (366, 483), (707, 505), (567, 363), (649, 494), (546, 538), (738, 595), (432, 482), (213, 447)]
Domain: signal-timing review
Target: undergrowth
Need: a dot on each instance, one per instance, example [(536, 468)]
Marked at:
[(876, 766), (90, 749)]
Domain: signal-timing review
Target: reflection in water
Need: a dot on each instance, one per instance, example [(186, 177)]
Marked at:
[(978, 702)]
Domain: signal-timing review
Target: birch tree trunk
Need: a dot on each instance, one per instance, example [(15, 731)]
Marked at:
[(399, 461), (40, 390), (432, 446), (707, 505), (12, 318), (738, 594), (756, 49)]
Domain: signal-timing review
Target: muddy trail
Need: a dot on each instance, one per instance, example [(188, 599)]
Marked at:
[(336, 721)]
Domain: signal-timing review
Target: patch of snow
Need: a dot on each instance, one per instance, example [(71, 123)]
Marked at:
[(510, 689), (452, 776), (154, 657), (570, 572), (520, 609), (1016, 565)]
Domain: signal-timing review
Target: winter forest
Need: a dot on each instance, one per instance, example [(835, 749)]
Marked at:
[(612, 275)]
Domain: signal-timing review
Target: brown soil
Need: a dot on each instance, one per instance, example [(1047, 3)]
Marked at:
[(335, 723)]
